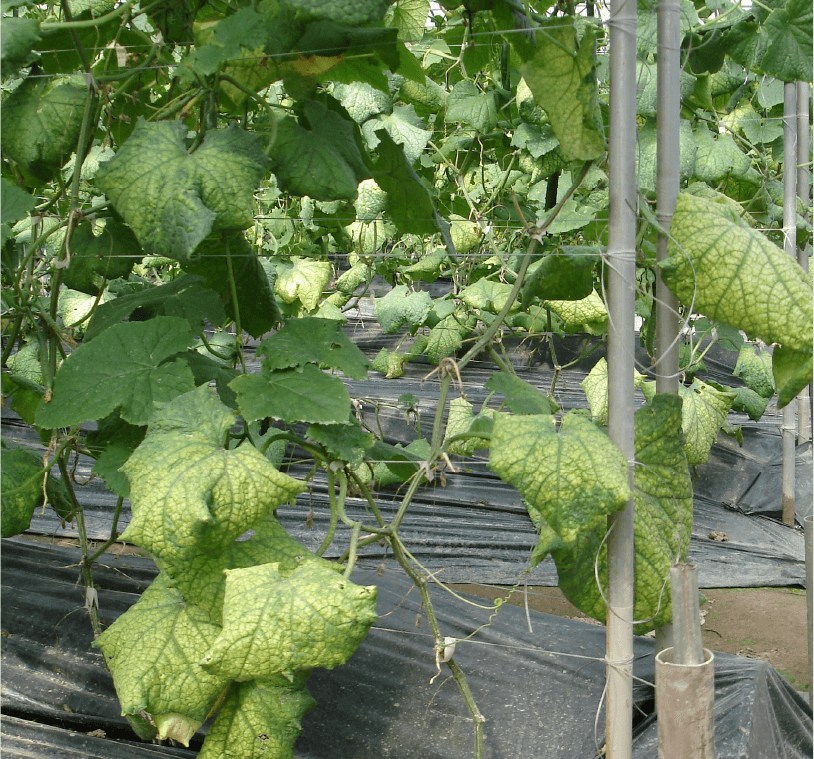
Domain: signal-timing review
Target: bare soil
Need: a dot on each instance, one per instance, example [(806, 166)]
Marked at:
[(761, 623)]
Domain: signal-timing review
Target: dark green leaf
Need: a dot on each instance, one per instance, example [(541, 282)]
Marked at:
[(566, 274), (521, 397), (19, 36), (292, 396), (89, 385), (22, 476), (792, 372), (16, 203), (313, 341), (788, 55), (113, 442), (97, 259), (344, 442)]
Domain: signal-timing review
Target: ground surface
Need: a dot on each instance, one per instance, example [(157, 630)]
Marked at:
[(761, 623)]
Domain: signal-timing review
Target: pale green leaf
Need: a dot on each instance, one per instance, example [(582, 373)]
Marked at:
[(89, 385), (717, 156), (153, 650), (488, 296), (173, 198), (188, 492), (574, 477), (409, 17), (733, 274), (468, 105), (400, 307), (588, 314), (459, 422), (274, 625), (362, 101), (404, 126), (259, 719), (307, 395), (562, 78), (445, 338), (755, 370), (646, 154)]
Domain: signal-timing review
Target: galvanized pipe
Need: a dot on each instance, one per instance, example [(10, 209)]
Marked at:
[(803, 191), (621, 265), (790, 246), (809, 527)]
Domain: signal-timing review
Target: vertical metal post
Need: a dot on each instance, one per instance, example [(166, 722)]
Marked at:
[(809, 527), (803, 191), (667, 184), (790, 246), (621, 295)]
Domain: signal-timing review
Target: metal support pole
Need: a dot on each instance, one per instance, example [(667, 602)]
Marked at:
[(667, 184), (790, 246), (809, 527), (803, 191), (621, 265)]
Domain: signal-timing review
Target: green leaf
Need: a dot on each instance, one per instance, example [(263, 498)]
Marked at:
[(401, 306), (303, 278), (408, 200), (662, 523), (191, 494), (389, 363), (254, 285), (538, 140), (95, 260), (521, 397), (792, 372), (717, 156), (573, 478), (755, 370), (41, 123), (16, 203), (749, 402), (586, 315), (259, 718), (733, 274), (182, 298), (23, 395), (352, 13), (344, 442), (404, 126), (788, 55), (389, 470), (306, 395), (152, 651), (173, 198), (319, 156), (313, 341), (22, 478), (562, 78), (89, 385), (19, 36), (467, 105), (112, 443), (566, 274), (274, 625)]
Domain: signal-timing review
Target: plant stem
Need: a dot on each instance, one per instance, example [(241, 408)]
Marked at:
[(233, 288), (114, 534), (88, 23)]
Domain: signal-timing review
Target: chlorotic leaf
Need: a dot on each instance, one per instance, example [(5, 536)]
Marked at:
[(173, 198), (445, 338), (313, 341), (89, 385), (188, 492), (259, 719), (459, 422), (563, 80), (409, 17), (792, 372), (487, 295), (404, 126), (305, 395), (152, 651), (302, 278), (574, 477), (733, 274), (521, 396), (755, 370), (276, 626), (662, 523), (41, 123), (22, 477), (595, 386), (400, 306), (586, 315), (202, 577)]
